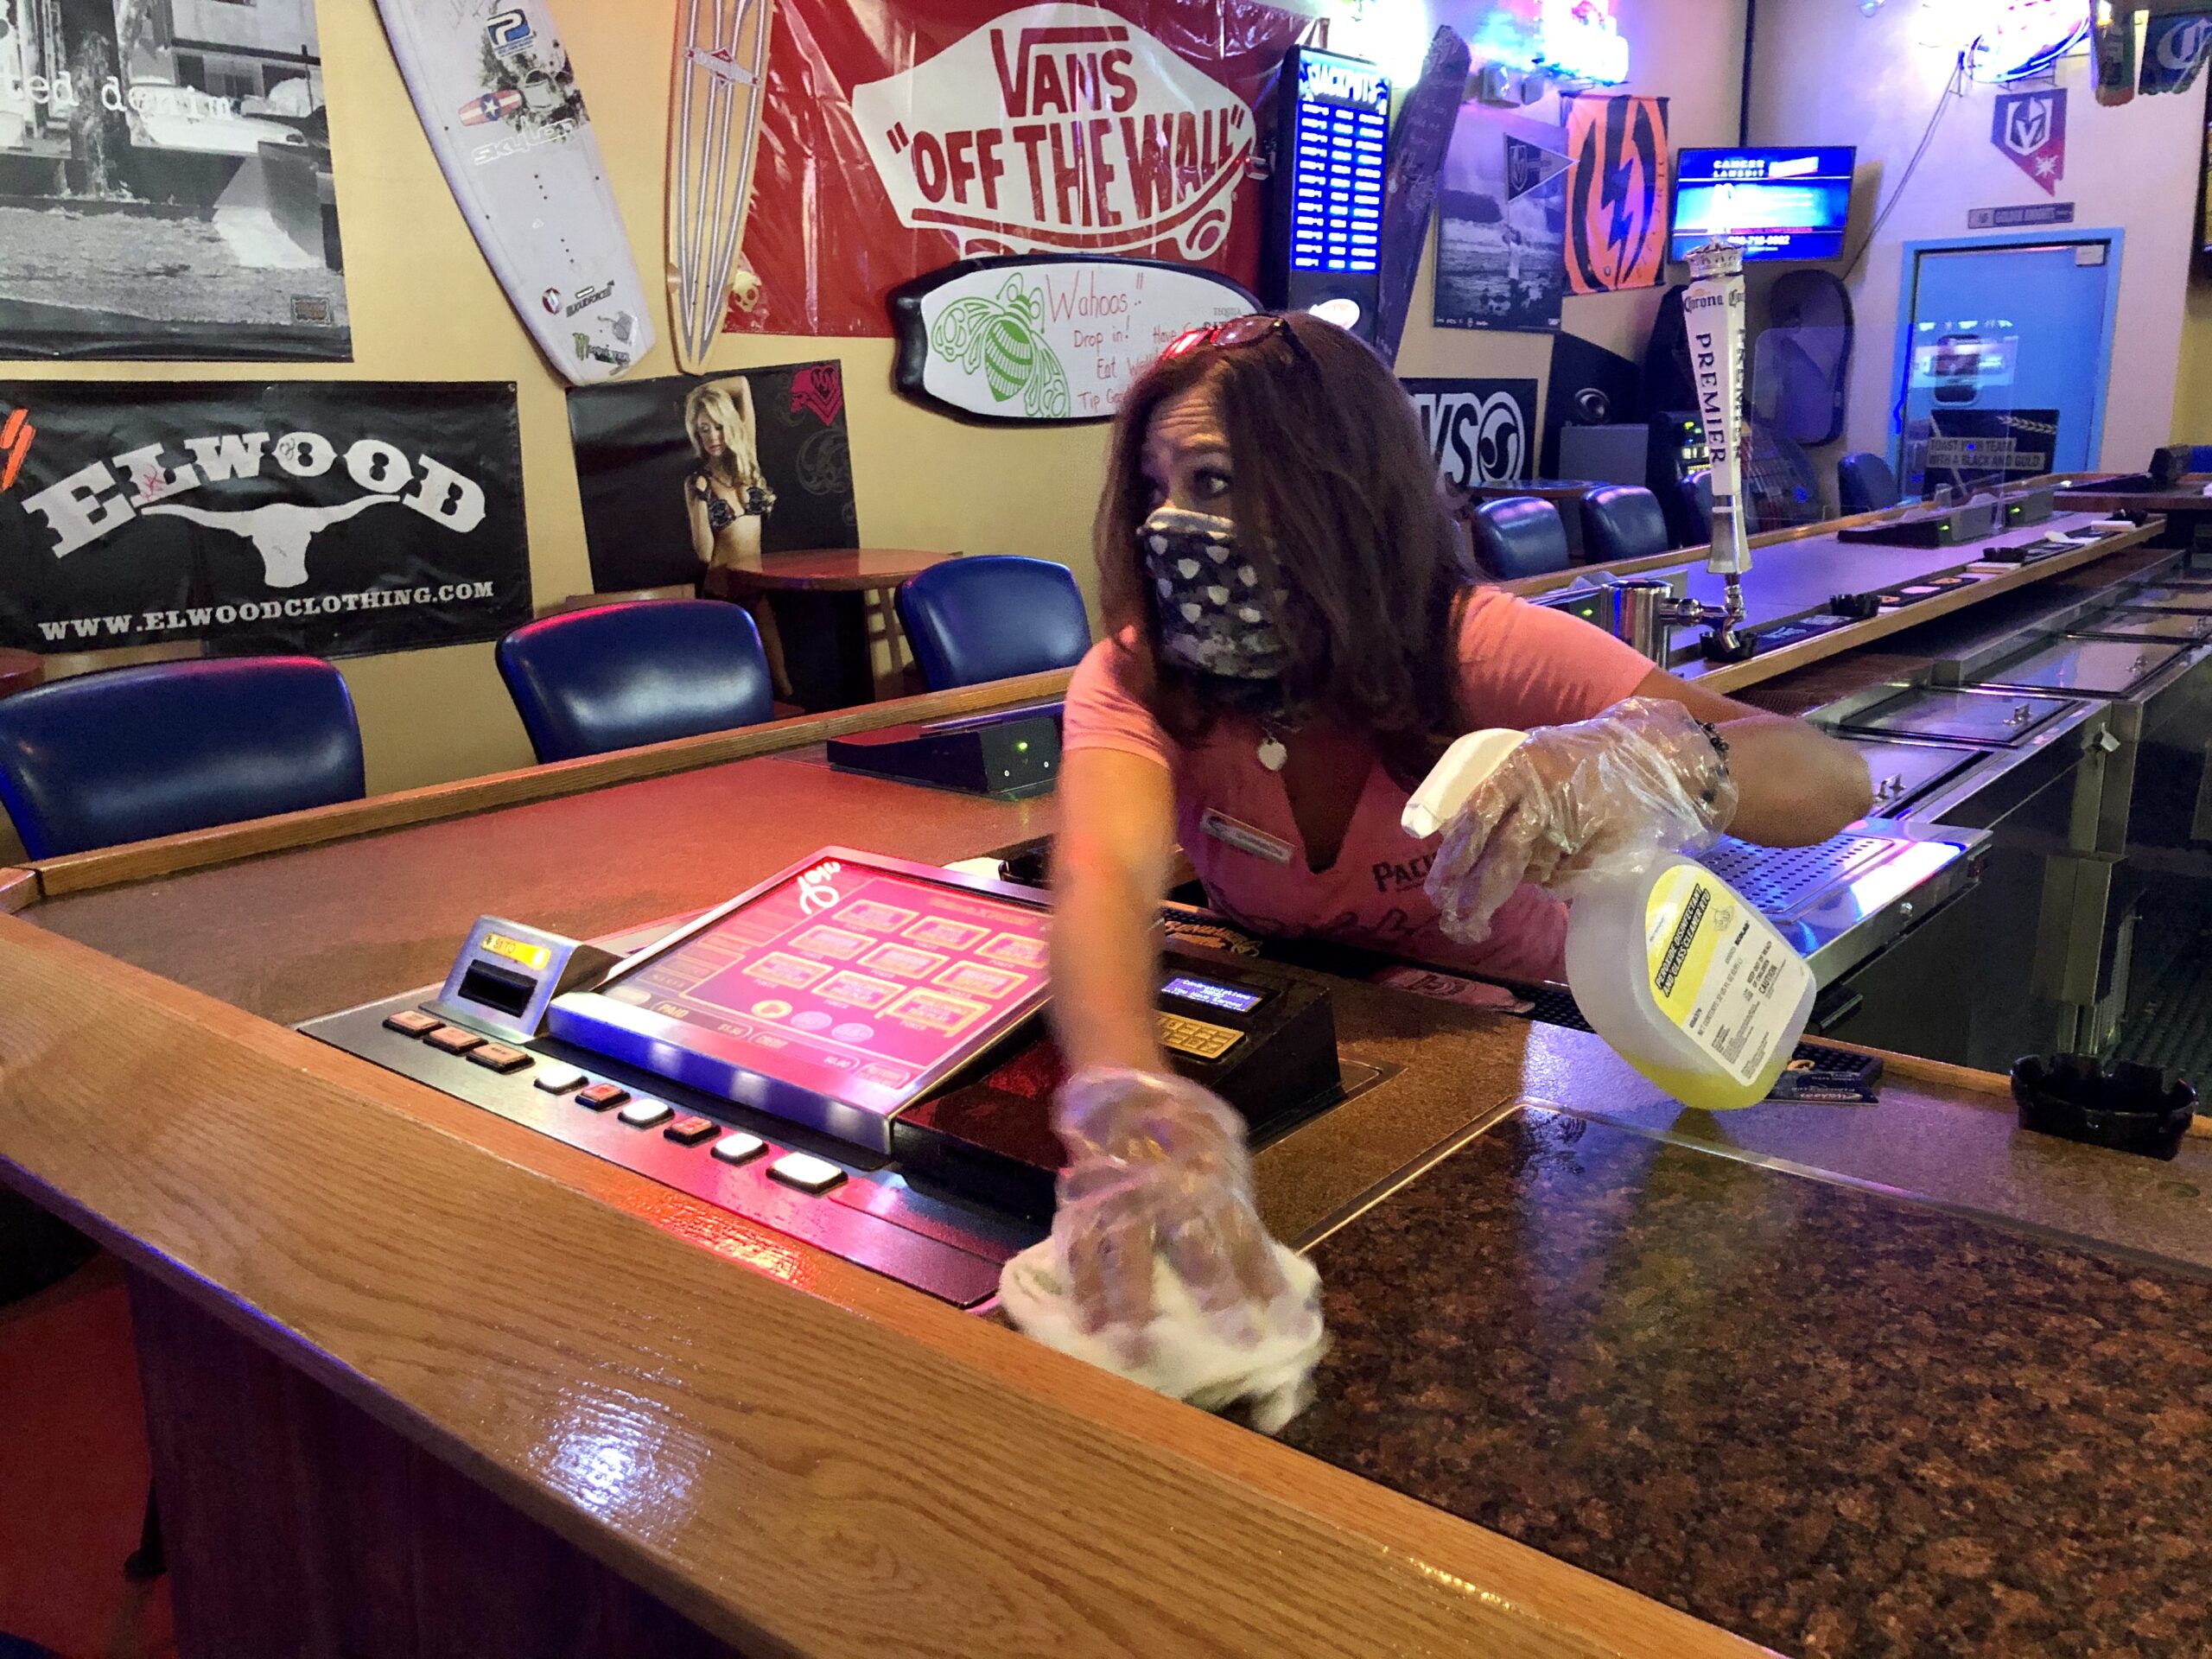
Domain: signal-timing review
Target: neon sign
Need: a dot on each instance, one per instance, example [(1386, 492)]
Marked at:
[(2008, 40), (1574, 40)]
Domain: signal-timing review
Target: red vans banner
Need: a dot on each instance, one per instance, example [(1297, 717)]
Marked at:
[(900, 136)]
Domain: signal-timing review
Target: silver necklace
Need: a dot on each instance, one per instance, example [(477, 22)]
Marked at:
[(1273, 755)]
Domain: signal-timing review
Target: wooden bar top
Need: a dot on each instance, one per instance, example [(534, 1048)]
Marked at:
[(799, 1455)]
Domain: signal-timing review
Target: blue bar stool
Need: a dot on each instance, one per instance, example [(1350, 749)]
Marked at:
[(1697, 498), (134, 753), (1864, 483), (621, 676), (1622, 521), (992, 618), (1518, 537)]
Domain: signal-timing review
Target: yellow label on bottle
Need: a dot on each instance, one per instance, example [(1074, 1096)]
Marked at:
[(1719, 971)]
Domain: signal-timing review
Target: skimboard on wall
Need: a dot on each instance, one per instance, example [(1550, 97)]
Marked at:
[(1046, 337), (714, 133), (499, 100)]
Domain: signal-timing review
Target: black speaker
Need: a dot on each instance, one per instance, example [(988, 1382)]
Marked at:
[(1590, 386)]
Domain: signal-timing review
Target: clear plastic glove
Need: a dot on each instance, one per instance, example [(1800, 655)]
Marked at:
[(1602, 796), (1157, 1168)]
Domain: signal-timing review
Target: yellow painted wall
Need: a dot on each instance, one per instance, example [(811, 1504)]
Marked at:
[(425, 306)]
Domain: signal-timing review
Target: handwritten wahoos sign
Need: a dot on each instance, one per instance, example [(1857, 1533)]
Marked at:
[(1047, 339), (1058, 128)]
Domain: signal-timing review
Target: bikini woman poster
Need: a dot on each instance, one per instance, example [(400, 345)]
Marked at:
[(679, 474)]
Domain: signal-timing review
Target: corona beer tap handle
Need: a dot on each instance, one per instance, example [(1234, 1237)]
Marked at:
[(1712, 314)]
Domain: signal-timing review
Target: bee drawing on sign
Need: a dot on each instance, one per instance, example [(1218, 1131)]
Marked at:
[(1003, 339)]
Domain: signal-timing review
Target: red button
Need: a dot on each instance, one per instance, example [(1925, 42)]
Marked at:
[(690, 1131), (603, 1097)]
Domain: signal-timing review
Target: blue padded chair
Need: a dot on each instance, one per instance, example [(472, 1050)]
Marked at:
[(991, 618), (620, 676), (1864, 483), (135, 752), (1519, 536), (1697, 501), (1621, 521)]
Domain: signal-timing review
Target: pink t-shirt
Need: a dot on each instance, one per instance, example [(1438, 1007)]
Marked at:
[(1520, 665)]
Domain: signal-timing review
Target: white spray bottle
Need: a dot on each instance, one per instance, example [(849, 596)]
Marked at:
[(1676, 971)]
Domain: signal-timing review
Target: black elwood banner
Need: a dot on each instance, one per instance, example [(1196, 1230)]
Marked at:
[(333, 517)]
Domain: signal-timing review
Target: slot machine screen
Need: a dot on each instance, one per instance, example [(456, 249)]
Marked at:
[(834, 995)]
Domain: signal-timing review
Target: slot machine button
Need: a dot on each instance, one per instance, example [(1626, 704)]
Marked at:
[(558, 1079), (497, 1057), (805, 1172), (737, 1145), (412, 1022), (601, 1096), (452, 1039), (690, 1131), (643, 1114)]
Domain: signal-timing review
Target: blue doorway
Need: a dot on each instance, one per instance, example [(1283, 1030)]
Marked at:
[(1992, 326)]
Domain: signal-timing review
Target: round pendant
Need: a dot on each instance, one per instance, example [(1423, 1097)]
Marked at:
[(1273, 755)]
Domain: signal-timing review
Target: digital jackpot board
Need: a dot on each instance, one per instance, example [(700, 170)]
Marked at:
[(1323, 253)]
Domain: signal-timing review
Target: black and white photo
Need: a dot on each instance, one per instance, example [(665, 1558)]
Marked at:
[(1501, 224), (165, 183), (1480, 431)]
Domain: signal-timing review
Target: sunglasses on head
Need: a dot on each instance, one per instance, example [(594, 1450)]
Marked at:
[(1239, 331)]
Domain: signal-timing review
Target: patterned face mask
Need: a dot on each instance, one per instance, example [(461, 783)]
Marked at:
[(1214, 614)]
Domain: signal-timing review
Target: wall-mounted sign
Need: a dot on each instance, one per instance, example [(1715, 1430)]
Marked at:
[(900, 135), (1501, 224), (2174, 49), (1480, 431), (1617, 205), (2031, 130), (680, 475), (2020, 218), (335, 518), (1325, 235), (166, 188), (1047, 339)]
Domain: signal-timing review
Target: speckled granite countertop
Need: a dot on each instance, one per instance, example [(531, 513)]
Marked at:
[(1832, 1420)]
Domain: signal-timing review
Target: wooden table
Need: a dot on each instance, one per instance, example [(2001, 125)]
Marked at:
[(823, 599), (19, 671)]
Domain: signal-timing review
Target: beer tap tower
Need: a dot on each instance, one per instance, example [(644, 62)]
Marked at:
[(1712, 313)]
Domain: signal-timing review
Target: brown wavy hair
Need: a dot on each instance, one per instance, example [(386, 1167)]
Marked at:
[(1337, 499)]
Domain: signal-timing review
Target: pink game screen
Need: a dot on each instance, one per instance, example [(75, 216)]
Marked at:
[(851, 971)]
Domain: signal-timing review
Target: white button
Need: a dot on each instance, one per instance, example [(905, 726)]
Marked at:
[(737, 1145), (643, 1114), (559, 1079), (804, 1170)]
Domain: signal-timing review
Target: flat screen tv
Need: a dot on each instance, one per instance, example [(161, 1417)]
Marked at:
[(1777, 204)]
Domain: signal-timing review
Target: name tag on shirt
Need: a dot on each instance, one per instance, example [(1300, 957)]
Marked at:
[(1234, 832)]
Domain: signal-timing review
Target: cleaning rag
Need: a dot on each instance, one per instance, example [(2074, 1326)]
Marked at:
[(1188, 1360)]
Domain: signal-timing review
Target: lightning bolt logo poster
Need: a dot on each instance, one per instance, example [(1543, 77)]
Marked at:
[(334, 519), (1617, 208)]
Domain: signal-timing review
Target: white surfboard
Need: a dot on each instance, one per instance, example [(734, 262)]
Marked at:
[(499, 100)]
